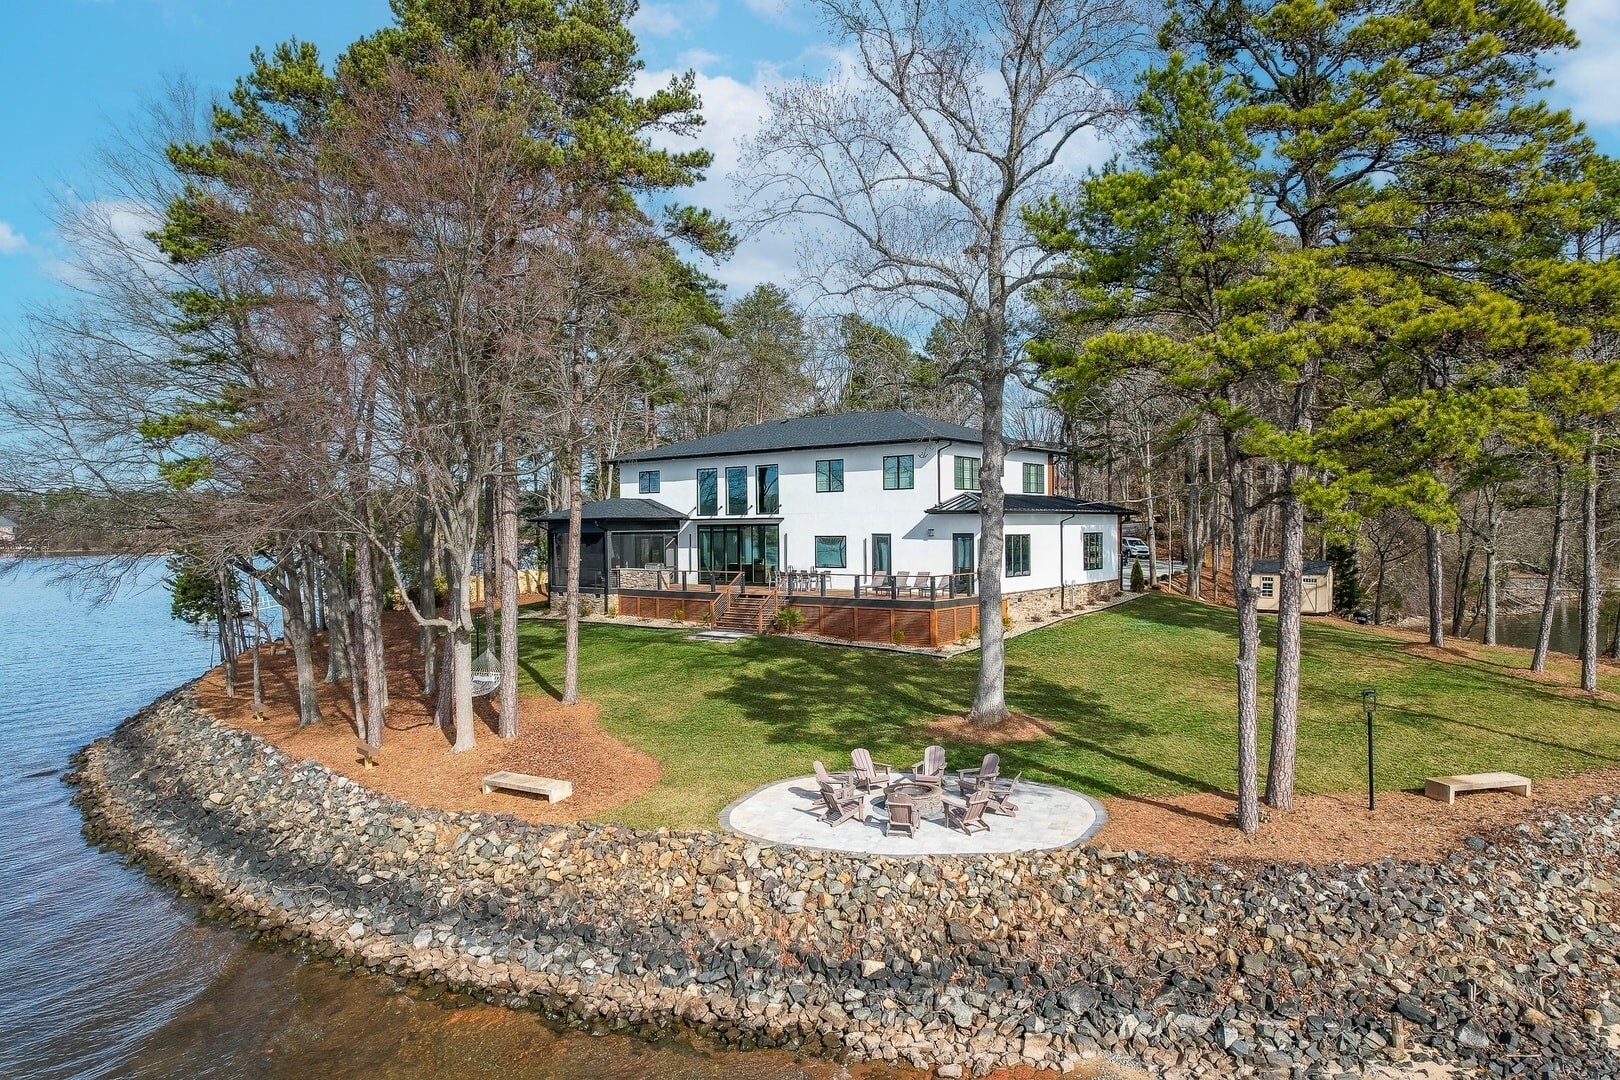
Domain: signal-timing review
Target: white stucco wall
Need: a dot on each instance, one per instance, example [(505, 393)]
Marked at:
[(865, 508)]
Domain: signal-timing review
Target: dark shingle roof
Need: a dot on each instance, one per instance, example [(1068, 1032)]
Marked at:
[(1015, 503), (1274, 566), (619, 510), (814, 432)]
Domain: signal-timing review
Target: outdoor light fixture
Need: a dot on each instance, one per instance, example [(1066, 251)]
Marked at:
[(930, 534), (1369, 702)]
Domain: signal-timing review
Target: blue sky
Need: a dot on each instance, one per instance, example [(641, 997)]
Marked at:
[(73, 71)]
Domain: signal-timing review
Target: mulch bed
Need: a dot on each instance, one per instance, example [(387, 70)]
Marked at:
[(1334, 828), (416, 762)]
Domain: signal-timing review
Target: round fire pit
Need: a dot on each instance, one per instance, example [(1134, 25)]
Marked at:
[(929, 799)]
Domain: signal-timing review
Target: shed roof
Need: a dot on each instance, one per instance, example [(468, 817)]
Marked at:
[(1274, 566)]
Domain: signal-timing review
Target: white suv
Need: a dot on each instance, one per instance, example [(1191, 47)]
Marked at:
[(1133, 547)]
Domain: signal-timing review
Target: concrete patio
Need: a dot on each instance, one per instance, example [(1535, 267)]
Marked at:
[(790, 812)]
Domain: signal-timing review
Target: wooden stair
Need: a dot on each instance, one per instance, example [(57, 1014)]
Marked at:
[(742, 614)]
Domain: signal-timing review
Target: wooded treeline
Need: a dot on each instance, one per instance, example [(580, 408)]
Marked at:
[(1348, 290)]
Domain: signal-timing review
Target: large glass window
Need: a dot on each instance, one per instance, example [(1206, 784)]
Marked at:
[(967, 473), (1093, 551), (832, 552), (737, 490), (644, 550), (770, 500), (899, 472), (881, 545), (1018, 555), (708, 481), (830, 475), (723, 550), (647, 482), (1034, 479)]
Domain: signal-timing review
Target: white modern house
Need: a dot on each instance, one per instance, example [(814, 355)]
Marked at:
[(875, 506), (8, 529)]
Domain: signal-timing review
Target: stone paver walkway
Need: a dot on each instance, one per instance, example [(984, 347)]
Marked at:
[(789, 812)]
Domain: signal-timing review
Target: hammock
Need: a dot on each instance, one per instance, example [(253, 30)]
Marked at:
[(486, 674)]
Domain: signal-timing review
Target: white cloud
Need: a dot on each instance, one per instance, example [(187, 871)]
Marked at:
[(770, 9), (11, 241), (675, 19), (1586, 76), (698, 59)]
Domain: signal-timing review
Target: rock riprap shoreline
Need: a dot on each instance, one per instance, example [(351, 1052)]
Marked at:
[(1502, 957)]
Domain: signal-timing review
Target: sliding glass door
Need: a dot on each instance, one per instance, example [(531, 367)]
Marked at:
[(726, 550)]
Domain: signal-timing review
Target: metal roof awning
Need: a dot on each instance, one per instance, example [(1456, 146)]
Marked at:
[(969, 502)]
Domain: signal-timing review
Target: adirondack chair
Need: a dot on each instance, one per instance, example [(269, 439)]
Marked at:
[(1001, 793), (969, 779), (931, 769), (969, 817), (833, 780), (869, 774), (902, 815), (842, 804)]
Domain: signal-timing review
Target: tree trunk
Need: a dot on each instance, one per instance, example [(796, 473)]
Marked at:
[(1378, 591), (506, 523), (460, 634), (1152, 516), (227, 635), (1459, 592), (491, 561), (1493, 526), (1555, 574), (1290, 603), (426, 598), (1248, 653), (1590, 592), (372, 670), (288, 586), (1437, 588), (990, 695), (1195, 525), (570, 694)]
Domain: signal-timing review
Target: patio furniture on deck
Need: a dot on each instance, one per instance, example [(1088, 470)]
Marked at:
[(842, 804), (902, 583), (869, 774), (1001, 792), (931, 769), (968, 780), (902, 813), (969, 817)]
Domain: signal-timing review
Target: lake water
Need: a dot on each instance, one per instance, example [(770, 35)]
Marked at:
[(110, 975), (1521, 630)]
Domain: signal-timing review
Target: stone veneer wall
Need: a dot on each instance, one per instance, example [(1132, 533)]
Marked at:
[(1036, 604), (1503, 956)]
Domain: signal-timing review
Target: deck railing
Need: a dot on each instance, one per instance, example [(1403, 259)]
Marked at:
[(781, 587), (732, 588)]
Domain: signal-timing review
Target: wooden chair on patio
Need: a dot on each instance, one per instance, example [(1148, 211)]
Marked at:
[(902, 814), (969, 780), (833, 780), (842, 804), (868, 773), (1001, 793), (931, 769), (969, 817)]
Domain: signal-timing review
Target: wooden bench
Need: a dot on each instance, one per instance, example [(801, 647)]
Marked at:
[(554, 790), (1445, 788), (368, 755)]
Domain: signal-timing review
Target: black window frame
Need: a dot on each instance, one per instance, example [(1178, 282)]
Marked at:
[(969, 476), (826, 480), (910, 476), (1040, 478), (888, 553), (734, 472), (1090, 559), (843, 548), (711, 508), (770, 497), (1016, 544), (646, 486)]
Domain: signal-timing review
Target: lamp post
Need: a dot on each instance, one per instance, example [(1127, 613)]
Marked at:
[(1369, 702)]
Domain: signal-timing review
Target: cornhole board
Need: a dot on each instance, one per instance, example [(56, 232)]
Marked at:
[(1445, 788), (554, 790)]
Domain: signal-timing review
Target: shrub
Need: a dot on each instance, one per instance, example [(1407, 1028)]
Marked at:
[(1006, 622), (612, 610), (898, 637), (678, 615), (789, 619), (967, 634), (708, 616), (1138, 579)]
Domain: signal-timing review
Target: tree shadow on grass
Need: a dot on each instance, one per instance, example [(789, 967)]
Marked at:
[(1505, 733)]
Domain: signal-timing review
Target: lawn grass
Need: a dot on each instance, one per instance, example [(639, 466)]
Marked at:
[(1139, 696)]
